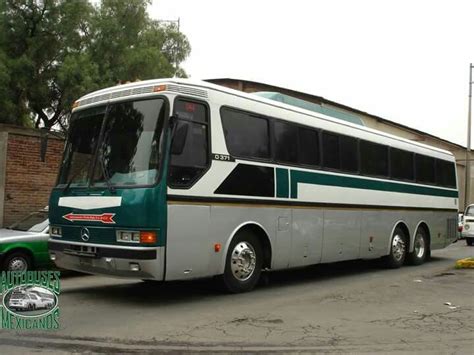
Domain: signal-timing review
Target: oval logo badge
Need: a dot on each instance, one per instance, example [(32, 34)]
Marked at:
[(85, 234), (30, 301)]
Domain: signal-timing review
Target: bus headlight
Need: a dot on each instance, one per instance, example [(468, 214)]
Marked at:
[(55, 232), (143, 237), (128, 236)]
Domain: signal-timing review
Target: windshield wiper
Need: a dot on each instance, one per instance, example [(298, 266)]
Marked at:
[(105, 173)]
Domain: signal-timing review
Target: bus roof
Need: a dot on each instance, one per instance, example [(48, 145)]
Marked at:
[(138, 88)]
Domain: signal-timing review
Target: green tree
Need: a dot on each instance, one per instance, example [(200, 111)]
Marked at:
[(54, 51)]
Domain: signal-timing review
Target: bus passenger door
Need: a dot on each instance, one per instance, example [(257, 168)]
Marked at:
[(188, 242)]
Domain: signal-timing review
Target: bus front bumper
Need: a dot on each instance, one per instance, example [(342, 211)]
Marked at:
[(117, 261)]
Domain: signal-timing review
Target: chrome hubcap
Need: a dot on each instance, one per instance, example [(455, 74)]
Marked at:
[(17, 264), (398, 247), (243, 261), (419, 246)]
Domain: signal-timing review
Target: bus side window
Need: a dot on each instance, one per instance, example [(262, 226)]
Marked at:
[(189, 150)]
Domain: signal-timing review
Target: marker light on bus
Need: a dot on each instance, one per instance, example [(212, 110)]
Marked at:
[(159, 88), (75, 104), (147, 237)]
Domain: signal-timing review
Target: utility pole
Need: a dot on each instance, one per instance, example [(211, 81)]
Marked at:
[(468, 150)]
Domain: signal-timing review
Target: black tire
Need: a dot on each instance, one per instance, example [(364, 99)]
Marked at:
[(470, 241), (19, 256), (153, 282), (398, 249), (231, 280), (421, 248)]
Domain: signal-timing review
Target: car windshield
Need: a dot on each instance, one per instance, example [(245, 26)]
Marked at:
[(129, 150), (35, 222), (19, 297), (470, 211)]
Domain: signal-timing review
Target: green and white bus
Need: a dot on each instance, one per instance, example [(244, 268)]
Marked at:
[(176, 179)]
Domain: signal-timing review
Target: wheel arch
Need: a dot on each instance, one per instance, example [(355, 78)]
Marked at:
[(404, 226), (258, 230), (19, 248)]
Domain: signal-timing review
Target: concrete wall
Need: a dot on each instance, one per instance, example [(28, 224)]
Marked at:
[(25, 180)]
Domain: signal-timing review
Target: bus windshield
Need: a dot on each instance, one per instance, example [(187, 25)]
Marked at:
[(126, 148)]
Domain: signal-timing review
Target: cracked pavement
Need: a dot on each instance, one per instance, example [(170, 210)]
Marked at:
[(336, 308)]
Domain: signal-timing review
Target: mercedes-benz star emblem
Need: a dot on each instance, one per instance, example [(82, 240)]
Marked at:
[(85, 234)]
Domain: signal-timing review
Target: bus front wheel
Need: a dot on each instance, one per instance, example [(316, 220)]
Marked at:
[(243, 263), (398, 249)]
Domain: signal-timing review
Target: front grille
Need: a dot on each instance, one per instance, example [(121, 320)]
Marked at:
[(103, 252)]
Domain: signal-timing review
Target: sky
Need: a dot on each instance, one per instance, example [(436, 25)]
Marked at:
[(405, 61)]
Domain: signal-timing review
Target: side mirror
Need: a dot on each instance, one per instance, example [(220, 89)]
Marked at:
[(180, 132)]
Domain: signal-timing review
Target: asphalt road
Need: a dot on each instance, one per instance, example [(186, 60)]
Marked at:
[(344, 307)]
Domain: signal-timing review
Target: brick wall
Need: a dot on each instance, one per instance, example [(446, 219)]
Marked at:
[(28, 180)]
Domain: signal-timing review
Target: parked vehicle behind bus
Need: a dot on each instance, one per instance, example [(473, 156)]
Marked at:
[(467, 231), (174, 179)]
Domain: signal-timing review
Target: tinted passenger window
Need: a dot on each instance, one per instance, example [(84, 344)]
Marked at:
[(189, 150), (349, 154), (373, 159), (308, 146), (245, 135), (401, 164), (445, 173), (286, 142), (331, 151), (425, 169), (340, 152)]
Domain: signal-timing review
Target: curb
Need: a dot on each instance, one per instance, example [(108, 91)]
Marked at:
[(467, 263)]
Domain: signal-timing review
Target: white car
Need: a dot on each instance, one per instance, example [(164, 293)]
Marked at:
[(468, 225), (29, 302)]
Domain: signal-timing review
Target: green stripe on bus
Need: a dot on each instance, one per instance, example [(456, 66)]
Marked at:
[(307, 177), (283, 184)]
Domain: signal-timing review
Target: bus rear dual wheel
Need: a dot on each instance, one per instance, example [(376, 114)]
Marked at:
[(243, 263), (399, 249)]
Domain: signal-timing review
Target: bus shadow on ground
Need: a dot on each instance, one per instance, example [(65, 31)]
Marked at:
[(172, 292)]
